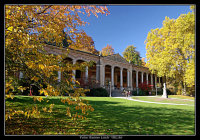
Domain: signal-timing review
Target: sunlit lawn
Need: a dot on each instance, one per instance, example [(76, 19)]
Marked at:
[(171, 99), (112, 116)]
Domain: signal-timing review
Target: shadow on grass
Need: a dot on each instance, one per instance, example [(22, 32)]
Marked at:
[(136, 120), (111, 117)]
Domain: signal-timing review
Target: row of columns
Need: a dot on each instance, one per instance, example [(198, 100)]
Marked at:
[(129, 78), (100, 76)]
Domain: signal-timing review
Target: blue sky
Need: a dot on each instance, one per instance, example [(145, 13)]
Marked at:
[(129, 25)]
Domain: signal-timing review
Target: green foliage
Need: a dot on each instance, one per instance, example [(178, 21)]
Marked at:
[(97, 92), (131, 55)]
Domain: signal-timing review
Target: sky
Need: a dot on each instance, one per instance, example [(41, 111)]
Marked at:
[(129, 25)]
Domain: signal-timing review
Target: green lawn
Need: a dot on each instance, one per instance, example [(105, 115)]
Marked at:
[(170, 99), (112, 116)]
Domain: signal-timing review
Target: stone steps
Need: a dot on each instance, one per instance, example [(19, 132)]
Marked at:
[(117, 93)]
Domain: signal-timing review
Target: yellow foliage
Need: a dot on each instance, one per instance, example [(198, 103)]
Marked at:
[(44, 109), (171, 49), (35, 78), (108, 50), (10, 96), (38, 99), (27, 28)]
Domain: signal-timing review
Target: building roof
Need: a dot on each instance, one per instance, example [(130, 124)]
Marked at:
[(116, 57)]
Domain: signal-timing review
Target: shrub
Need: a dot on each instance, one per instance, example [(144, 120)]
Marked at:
[(97, 92), (140, 92), (170, 92), (160, 92), (134, 93)]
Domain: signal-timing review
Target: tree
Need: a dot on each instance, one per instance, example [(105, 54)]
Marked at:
[(27, 29), (133, 56), (108, 50), (171, 49), (87, 45), (143, 62)]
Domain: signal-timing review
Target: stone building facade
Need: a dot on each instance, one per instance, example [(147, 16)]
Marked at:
[(112, 69)]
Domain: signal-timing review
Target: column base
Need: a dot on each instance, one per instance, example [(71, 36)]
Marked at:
[(137, 89)]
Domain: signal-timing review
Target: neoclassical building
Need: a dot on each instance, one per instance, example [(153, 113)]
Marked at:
[(113, 69)]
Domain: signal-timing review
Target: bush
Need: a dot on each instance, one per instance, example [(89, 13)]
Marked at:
[(97, 92), (160, 92), (170, 92), (134, 93), (141, 93)]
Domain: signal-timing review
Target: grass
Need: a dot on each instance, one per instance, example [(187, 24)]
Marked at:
[(112, 116), (181, 97), (170, 99)]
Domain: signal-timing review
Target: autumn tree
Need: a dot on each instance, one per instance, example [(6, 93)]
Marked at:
[(131, 55), (88, 44), (108, 50), (27, 29), (143, 62), (171, 50)]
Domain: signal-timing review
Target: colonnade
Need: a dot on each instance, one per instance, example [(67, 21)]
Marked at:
[(130, 79), (100, 76)]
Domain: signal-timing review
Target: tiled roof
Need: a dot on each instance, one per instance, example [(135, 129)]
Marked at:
[(116, 57)]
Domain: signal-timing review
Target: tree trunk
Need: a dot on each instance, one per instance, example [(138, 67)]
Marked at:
[(183, 87)]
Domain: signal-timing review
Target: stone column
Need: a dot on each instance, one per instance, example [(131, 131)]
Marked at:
[(131, 80), (103, 78), (21, 75), (142, 77), (102, 74), (137, 82), (74, 72), (121, 78), (128, 79), (147, 78), (97, 73), (112, 77), (86, 74), (152, 80), (59, 76)]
